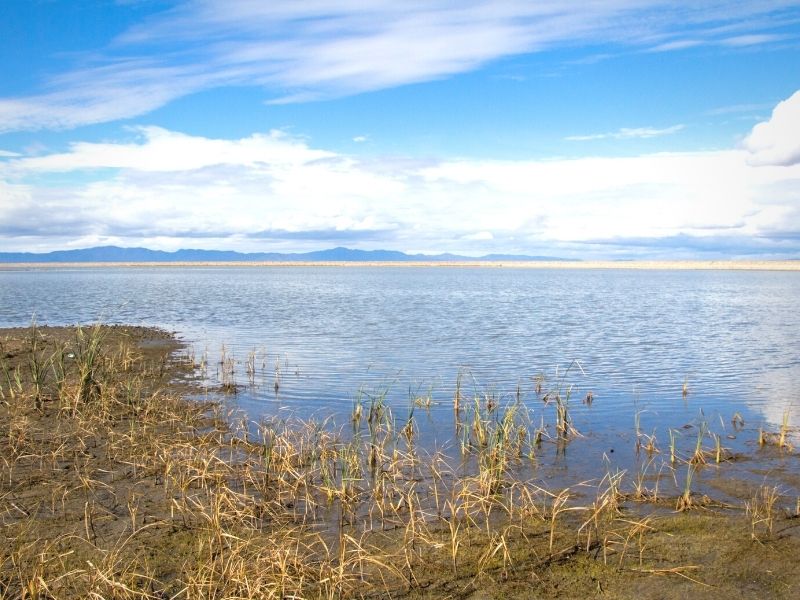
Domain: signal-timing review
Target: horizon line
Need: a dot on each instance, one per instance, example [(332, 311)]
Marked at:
[(653, 264)]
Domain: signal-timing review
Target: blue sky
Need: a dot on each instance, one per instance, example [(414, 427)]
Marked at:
[(616, 128)]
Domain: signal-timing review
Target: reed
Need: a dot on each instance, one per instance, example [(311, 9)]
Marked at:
[(563, 422), (641, 493), (673, 457), (720, 453), (276, 385), (737, 421), (557, 507), (457, 394), (9, 386), (699, 456), (761, 511), (780, 439), (605, 508), (685, 501), (250, 367), (38, 366), (89, 358), (358, 410), (782, 435)]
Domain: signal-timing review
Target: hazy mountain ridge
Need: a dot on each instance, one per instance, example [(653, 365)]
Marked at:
[(339, 254)]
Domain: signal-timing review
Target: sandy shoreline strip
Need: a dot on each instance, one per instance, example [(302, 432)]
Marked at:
[(670, 265)]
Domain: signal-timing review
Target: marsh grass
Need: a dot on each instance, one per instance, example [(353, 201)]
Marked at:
[(38, 366), (761, 511), (145, 495)]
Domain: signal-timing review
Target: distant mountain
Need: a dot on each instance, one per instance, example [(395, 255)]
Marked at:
[(117, 254)]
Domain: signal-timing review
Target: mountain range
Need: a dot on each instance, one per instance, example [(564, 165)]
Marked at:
[(117, 254)]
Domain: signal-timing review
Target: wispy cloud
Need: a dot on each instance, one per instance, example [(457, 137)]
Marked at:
[(753, 39), (299, 51), (736, 41), (676, 45), (627, 133), (740, 108)]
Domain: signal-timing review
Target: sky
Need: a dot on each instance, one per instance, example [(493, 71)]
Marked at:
[(596, 130)]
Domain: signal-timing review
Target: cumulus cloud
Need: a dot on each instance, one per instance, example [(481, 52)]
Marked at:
[(171, 185), (272, 191), (299, 51), (777, 141)]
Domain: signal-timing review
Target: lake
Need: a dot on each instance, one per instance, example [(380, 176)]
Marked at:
[(327, 336)]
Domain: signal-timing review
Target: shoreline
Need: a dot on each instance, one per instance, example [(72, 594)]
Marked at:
[(656, 265)]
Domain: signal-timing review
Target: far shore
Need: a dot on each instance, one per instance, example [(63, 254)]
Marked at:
[(666, 265)]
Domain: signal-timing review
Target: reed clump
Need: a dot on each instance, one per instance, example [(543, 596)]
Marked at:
[(779, 439), (761, 511)]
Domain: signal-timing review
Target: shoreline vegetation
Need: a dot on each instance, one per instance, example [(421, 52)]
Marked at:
[(115, 483), (678, 265)]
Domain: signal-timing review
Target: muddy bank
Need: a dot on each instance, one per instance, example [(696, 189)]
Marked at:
[(113, 484)]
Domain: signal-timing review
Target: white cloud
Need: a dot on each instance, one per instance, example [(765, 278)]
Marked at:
[(168, 190), (171, 185), (777, 141), (739, 108), (326, 48), (168, 151), (626, 133), (360, 139), (752, 39), (736, 41), (480, 236), (676, 45)]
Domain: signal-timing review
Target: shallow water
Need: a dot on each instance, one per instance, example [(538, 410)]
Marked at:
[(326, 333)]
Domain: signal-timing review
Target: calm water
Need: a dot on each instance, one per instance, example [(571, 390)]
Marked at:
[(637, 335)]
